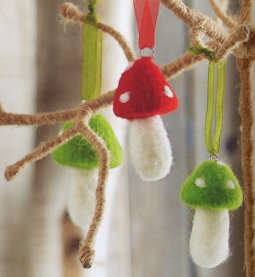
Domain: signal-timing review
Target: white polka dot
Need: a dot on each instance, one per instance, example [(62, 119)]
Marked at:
[(200, 182), (129, 66), (230, 184), (124, 97), (168, 92)]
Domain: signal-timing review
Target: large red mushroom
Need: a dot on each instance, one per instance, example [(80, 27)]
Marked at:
[(142, 95)]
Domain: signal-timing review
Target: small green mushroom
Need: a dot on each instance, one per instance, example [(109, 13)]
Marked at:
[(79, 153), (83, 159), (212, 189)]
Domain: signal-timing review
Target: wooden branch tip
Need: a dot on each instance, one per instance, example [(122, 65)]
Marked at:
[(12, 172), (86, 256), (71, 12), (1, 108)]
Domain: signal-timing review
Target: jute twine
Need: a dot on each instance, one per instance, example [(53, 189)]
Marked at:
[(238, 38)]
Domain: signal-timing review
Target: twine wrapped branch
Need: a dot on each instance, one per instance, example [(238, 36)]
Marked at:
[(238, 39)]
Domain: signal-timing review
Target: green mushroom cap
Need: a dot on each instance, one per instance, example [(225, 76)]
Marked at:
[(212, 185), (79, 153)]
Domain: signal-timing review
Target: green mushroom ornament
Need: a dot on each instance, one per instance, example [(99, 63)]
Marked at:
[(212, 189), (82, 158)]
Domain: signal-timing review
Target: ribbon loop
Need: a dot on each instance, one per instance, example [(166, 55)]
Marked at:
[(213, 145), (146, 12)]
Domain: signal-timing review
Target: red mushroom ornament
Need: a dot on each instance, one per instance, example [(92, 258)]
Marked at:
[(142, 95)]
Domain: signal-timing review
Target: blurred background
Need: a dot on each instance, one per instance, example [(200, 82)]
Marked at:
[(146, 228)]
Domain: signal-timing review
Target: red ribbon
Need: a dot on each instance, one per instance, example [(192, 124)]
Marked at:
[(146, 12)]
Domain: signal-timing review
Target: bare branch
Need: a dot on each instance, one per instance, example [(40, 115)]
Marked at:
[(86, 252), (227, 20), (43, 150), (240, 34), (71, 12), (195, 20), (120, 39), (180, 65), (55, 117), (35, 119), (245, 12), (246, 112)]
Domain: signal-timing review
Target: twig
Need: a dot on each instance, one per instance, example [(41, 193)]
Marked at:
[(36, 119), (227, 20), (196, 20), (180, 65), (86, 251), (240, 34), (44, 149), (246, 111), (71, 12), (55, 117), (245, 12)]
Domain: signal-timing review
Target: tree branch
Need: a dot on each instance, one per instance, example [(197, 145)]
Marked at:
[(196, 20), (227, 20), (71, 12), (43, 150), (246, 112), (185, 62), (240, 34), (245, 12), (36, 119), (86, 251), (101, 102)]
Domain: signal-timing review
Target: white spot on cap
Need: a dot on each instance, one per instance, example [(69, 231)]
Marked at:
[(200, 182), (129, 66), (168, 92), (124, 97), (230, 184)]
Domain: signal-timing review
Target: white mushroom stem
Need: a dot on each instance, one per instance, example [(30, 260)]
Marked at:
[(150, 149), (81, 196), (209, 244)]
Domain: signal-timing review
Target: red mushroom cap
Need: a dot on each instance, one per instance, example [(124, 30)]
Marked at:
[(143, 92)]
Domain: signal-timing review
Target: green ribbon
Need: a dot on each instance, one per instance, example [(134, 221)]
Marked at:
[(92, 53), (92, 5), (213, 144), (197, 50)]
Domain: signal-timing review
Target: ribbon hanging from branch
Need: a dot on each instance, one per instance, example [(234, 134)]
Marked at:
[(146, 12)]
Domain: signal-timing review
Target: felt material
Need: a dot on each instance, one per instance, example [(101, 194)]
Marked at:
[(81, 196), (79, 153), (92, 53), (150, 150), (146, 12), (148, 91), (209, 238), (213, 186)]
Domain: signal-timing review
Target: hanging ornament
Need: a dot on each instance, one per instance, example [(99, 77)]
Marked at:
[(78, 153), (142, 96), (212, 189), (83, 159)]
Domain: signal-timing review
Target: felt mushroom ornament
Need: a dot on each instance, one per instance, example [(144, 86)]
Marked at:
[(212, 190), (83, 159), (77, 153), (142, 95)]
